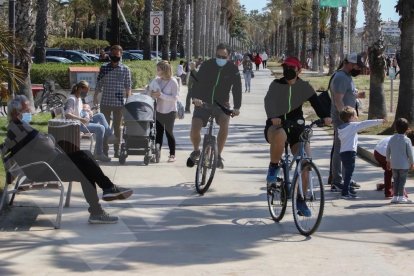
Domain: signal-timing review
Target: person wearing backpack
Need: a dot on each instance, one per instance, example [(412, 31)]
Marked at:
[(343, 93)]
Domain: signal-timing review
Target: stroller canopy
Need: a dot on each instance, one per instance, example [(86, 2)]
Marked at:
[(139, 107)]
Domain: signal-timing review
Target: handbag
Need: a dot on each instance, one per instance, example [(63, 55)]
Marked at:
[(252, 74), (180, 110)]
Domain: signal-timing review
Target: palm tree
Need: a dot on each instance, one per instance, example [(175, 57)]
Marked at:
[(183, 28), (41, 31), (24, 31), (324, 14), (146, 36), (100, 9), (405, 106), (377, 108), (333, 46), (167, 30), (175, 28), (290, 43), (354, 5), (315, 29)]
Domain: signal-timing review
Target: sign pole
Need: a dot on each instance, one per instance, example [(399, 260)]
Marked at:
[(156, 37)]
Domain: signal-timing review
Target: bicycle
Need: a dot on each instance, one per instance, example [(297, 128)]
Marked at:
[(307, 174), (207, 162), (49, 99)]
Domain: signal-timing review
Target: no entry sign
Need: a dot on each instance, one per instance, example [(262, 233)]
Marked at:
[(157, 23)]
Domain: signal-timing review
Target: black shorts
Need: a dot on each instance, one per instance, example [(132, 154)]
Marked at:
[(292, 133), (204, 114)]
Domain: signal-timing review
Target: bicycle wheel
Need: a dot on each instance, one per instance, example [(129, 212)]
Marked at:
[(308, 206), (277, 197), (206, 166)]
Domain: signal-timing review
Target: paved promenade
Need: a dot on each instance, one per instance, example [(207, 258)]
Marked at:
[(165, 228)]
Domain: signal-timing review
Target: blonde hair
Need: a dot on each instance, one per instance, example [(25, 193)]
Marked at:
[(79, 85), (165, 68), (346, 114)]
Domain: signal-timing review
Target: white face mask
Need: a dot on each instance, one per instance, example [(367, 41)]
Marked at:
[(26, 117)]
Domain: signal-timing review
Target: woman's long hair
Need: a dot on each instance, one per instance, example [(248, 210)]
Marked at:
[(79, 85)]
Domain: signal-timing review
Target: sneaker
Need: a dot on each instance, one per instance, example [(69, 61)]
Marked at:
[(355, 185), (194, 156), (352, 192), (349, 196), (336, 188), (103, 218), (403, 200), (303, 209), (394, 199), (115, 193), (272, 174), (187, 111), (113, 139), (103, 158), (116, 154), (380, 187), (171, 158), (220, 164)]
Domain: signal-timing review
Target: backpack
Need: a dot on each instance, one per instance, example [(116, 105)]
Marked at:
[(325, 98)]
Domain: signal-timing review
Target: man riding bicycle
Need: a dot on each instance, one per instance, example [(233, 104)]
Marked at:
[(215, 79), (283, 102)]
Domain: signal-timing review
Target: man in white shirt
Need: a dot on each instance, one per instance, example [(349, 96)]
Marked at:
[(181, 73)]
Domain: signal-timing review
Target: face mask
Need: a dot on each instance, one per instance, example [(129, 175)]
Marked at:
[(355, 72), (115, 58), (83, 94), (221, 62), (289, 73), (26, 117)]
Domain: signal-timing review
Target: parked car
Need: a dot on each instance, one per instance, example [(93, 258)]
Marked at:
[(73, 55), (58, 59), (126, 55), (92, 57)]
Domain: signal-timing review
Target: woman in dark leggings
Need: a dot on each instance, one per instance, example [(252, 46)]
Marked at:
[(167, 98)]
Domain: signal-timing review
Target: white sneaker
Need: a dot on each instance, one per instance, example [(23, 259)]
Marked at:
[(171, 158), (394, 199), (403, 200)]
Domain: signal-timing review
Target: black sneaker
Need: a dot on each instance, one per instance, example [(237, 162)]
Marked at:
[(355, 185), (220, 164), (103, 218), (116, 192), (336, 188), (348, 196), (194, 156)]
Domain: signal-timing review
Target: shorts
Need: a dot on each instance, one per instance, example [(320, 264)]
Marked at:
[(204, 114), (292, 133)]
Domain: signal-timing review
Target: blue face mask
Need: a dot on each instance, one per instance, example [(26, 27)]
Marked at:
[(26, 117), (221, 61)]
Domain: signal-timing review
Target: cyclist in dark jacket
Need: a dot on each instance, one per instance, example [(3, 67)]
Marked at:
[(283, 102), (215, 79)]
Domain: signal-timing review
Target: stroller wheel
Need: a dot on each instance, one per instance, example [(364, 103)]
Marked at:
[(146, 160)]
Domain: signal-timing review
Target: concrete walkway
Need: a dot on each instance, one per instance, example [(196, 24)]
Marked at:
[(167, 229)]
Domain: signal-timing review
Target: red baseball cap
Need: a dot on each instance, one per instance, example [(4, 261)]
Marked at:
[(292, 61)]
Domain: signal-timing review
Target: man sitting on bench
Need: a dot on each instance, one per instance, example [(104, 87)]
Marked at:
[(26, 145)]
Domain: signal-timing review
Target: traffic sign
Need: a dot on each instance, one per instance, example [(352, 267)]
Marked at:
[(157, 23)]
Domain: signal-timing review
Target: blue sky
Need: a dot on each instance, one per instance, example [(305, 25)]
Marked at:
[(387, 9)]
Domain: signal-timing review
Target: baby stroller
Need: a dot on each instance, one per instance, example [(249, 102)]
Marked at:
[(138, 135)]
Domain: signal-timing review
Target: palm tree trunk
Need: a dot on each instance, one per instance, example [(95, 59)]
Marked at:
[(405, 107), (167, 30), (290, 44), (41, 31), (197, 27), (146, 36), (25, 31), (354, 5), (377, 108), (315, 31), (183, 28), (175, 27), (333, 46)]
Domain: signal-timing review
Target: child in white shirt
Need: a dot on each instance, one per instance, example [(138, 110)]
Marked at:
[(348, 135)]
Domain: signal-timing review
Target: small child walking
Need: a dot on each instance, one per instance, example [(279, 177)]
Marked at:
[(400, 159), (348, 135)]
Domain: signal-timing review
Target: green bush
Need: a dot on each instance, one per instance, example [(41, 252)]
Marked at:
[(142, 71)]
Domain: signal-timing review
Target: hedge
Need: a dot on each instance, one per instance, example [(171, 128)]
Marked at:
[(142, 71)]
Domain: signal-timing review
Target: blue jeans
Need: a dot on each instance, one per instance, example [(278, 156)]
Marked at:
[(348, 163), (400, 177), (247, 79), (99, 126)]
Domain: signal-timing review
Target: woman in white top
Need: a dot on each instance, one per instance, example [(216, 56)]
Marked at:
[(166, 93), (94, 123)]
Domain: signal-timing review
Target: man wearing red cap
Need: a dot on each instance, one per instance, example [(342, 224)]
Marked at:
[(283, 102)]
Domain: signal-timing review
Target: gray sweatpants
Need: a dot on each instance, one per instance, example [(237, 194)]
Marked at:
[(400, 177)]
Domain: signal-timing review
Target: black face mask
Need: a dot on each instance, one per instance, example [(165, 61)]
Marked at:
[(83, 94), (115, 58), (289, 73), (355, 72)]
